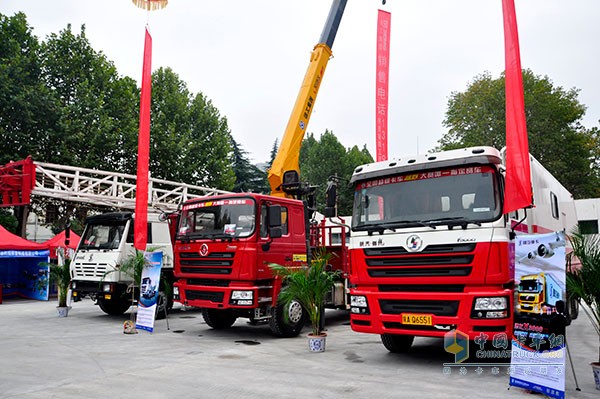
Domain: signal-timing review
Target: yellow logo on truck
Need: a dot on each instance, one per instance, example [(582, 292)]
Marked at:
[(299, 257)]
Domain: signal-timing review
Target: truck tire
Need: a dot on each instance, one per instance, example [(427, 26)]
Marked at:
[(290, 325), (219, 319), (115, 307), (397, 343)]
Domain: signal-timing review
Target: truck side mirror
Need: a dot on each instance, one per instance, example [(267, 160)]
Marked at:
[(331, 199)]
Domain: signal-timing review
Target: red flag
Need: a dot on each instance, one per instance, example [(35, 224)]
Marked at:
[(141, 196), (518, 173), (381, 85)]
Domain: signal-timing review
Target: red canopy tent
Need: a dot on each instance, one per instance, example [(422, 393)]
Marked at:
[(10, 241), (58, 241)]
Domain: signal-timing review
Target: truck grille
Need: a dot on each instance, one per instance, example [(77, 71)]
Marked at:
[(94, 270), (445, 260), (205, 270), (214, 263), (193, 295), (208, 282), (421, 288), (438, 308)]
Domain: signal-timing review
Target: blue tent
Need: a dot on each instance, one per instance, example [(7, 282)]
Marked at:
[(20, 267)]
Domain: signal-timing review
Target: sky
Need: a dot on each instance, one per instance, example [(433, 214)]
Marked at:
[(249, 57)]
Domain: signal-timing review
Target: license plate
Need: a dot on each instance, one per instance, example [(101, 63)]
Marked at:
[(417, 319)]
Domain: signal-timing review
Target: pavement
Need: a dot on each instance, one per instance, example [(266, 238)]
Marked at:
[(86, 355)]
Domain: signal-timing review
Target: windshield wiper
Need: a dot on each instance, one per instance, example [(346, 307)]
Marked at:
[(216, 236), (454, 221), (381, 227)]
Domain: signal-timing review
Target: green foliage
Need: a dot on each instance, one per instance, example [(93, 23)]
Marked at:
[(59, 275), (308, 285), (553, 115), (8, 220), (320, 159), (585, 282), (248, 178), (190, 141), (27, 110), (133, 267)]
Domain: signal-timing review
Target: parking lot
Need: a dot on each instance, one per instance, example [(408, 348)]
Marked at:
[(87, 356)]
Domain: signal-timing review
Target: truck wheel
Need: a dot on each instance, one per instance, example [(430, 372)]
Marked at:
[(289, 325), (397, 343), (115, 307), (219, 319)]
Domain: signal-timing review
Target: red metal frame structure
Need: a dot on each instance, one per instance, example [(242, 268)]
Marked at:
[(17, 179)]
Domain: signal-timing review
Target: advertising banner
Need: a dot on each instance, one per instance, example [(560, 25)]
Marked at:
[(538, 345), (149, 291), (384, 20)]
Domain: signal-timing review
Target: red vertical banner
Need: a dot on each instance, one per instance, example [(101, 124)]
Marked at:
[(518, 172), (141, 189), (382, 83)]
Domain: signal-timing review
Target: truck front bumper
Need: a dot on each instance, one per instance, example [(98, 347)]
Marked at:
[(428, 314)]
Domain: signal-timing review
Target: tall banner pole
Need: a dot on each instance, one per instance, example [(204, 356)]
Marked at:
[(518, 193), (382, 84)]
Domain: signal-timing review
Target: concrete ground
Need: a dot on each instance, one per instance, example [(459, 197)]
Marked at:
[(87, 356)]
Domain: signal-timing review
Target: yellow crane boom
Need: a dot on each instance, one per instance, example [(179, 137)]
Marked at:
[(284, 176)]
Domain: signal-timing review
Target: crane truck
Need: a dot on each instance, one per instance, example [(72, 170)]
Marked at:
[(431, 249), (223, 245)]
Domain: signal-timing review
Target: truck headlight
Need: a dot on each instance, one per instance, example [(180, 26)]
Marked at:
[(106, 288), (241, 295), (73, 285), (490, 308), (242, 298), (492, 303), (176, 290), (359, 304)]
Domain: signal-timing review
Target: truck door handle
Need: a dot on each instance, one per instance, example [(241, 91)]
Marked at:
[(288, 258)]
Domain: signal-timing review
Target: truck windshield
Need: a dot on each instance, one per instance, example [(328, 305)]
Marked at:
[(102, 236), (218, 219), (455, 196), (530, 286)]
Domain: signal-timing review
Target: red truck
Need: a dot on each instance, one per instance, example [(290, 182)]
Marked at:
[(223, 244)]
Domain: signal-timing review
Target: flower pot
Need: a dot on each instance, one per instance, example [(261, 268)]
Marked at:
[(316, 343), (596, 370), (63, 311)]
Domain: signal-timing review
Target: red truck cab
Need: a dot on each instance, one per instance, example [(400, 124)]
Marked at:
[(223, 248)]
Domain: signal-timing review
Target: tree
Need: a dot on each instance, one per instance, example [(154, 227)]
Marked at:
[(95, 108), (27, 109), (248, 178), (190, 142), (8, 220), (553, 115), (327, 157)]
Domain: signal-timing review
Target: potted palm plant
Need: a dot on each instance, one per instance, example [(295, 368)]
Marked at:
[(308, 285), (584, 283), (61, 276)]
